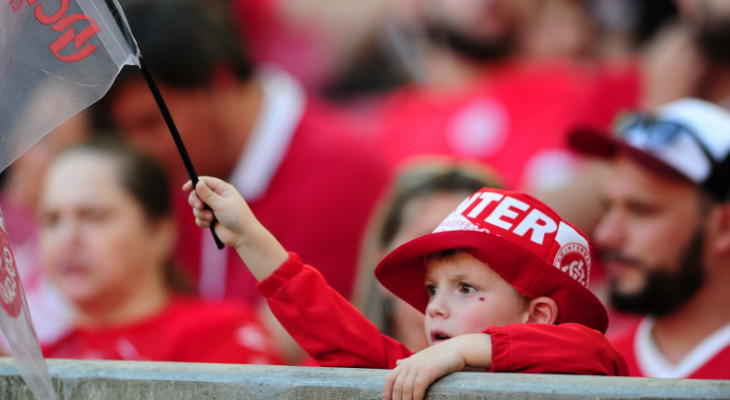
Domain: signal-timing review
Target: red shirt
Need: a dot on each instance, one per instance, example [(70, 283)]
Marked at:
[(187, 330), (515, 120), (335, 334), (708, 360), (317, 203)]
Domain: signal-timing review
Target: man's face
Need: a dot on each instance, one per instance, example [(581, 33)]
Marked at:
[(134, 112), (651, 239)]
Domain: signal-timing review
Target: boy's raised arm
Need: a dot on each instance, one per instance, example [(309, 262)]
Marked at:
[(237, 226)]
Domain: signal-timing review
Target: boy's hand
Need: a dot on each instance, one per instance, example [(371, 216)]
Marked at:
[(229, 207), (413, 375), (237, 226)]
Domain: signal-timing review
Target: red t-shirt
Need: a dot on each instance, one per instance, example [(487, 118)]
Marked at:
[(708, 360), (187, 330), (335, 334), (317, 203), (515, 120)]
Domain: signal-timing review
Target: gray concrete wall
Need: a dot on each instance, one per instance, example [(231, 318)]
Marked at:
[(162, 381)]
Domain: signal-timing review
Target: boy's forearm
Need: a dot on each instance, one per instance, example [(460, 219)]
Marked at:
[(477, 350), (261, 252)]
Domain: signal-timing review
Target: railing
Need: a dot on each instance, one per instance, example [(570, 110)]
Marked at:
[(99, 380)]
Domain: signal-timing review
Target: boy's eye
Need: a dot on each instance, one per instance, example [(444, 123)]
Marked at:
[(431, 290), (467, 288)]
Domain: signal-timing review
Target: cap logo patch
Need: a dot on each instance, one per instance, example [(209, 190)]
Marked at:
[(573, 257)]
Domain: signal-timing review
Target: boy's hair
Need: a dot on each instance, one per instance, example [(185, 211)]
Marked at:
[(527, 243)]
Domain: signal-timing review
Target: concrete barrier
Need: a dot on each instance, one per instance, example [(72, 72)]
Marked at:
[(97, 380)]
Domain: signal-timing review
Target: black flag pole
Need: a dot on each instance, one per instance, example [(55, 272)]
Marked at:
[(161, 105), (175, 136)]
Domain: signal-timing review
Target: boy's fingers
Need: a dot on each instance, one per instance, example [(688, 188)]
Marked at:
[(216, 185), (389, 384), (201, 223), (187, 186), (419, 386), (400, 388), (409, 384), (205, 194), (194, 201), (205, 215)]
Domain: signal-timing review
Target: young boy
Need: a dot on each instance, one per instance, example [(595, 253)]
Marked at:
[(505, 290)]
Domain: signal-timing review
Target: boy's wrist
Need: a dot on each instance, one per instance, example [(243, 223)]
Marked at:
[(261, 252), (476, 349)]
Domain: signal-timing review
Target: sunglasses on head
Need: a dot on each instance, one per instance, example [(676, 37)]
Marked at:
[(646, 131)]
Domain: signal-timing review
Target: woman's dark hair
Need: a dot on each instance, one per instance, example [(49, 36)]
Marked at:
[(139, 174)]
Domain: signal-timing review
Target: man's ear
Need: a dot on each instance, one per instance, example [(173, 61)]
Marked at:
[(542, 310), (720, 230)]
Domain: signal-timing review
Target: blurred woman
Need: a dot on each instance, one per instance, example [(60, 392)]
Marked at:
[(106, 238)]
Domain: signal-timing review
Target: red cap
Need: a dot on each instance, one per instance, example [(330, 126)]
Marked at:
[(521, 238)]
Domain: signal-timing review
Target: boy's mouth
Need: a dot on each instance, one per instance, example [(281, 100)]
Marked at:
[(439, 337)]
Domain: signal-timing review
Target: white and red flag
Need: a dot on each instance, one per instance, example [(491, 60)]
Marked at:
[(57, 57)]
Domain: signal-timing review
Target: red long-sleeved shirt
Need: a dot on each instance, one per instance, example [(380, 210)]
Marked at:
[(335, 334)]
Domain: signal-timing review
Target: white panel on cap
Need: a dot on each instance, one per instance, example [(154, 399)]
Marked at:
[(457, 222), (684, 154), (710, 122), (567, 234)]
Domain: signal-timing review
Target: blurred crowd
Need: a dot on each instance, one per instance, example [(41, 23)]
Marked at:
[(351, 127)]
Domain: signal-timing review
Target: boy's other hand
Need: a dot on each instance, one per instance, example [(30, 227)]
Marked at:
[(413, 375), (226, 205), (237, 226)]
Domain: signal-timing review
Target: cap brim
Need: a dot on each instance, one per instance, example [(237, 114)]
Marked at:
[(402, 272), (602, 144)]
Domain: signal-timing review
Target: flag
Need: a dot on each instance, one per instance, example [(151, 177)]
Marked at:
[(17, 326), (56, 58)]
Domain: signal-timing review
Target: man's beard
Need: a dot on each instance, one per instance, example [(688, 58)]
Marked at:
[(482, 50), (664, 292)]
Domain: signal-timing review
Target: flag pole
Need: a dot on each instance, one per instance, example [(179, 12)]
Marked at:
[(175, 136), (161, 105)]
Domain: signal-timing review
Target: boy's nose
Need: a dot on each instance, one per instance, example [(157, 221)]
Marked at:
[(438, 306)]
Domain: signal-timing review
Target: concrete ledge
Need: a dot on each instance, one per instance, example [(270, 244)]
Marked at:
[(162, 381)]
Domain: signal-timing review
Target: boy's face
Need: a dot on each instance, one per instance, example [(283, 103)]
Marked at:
[(466, 296)]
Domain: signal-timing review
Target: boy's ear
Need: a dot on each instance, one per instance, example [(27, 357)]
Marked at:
[(542, 310)]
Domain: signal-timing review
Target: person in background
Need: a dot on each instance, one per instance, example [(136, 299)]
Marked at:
[(474, 95), (690, 57), (19, 195), (302, 166), (106, 237), (424, 192), (665, 236)]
